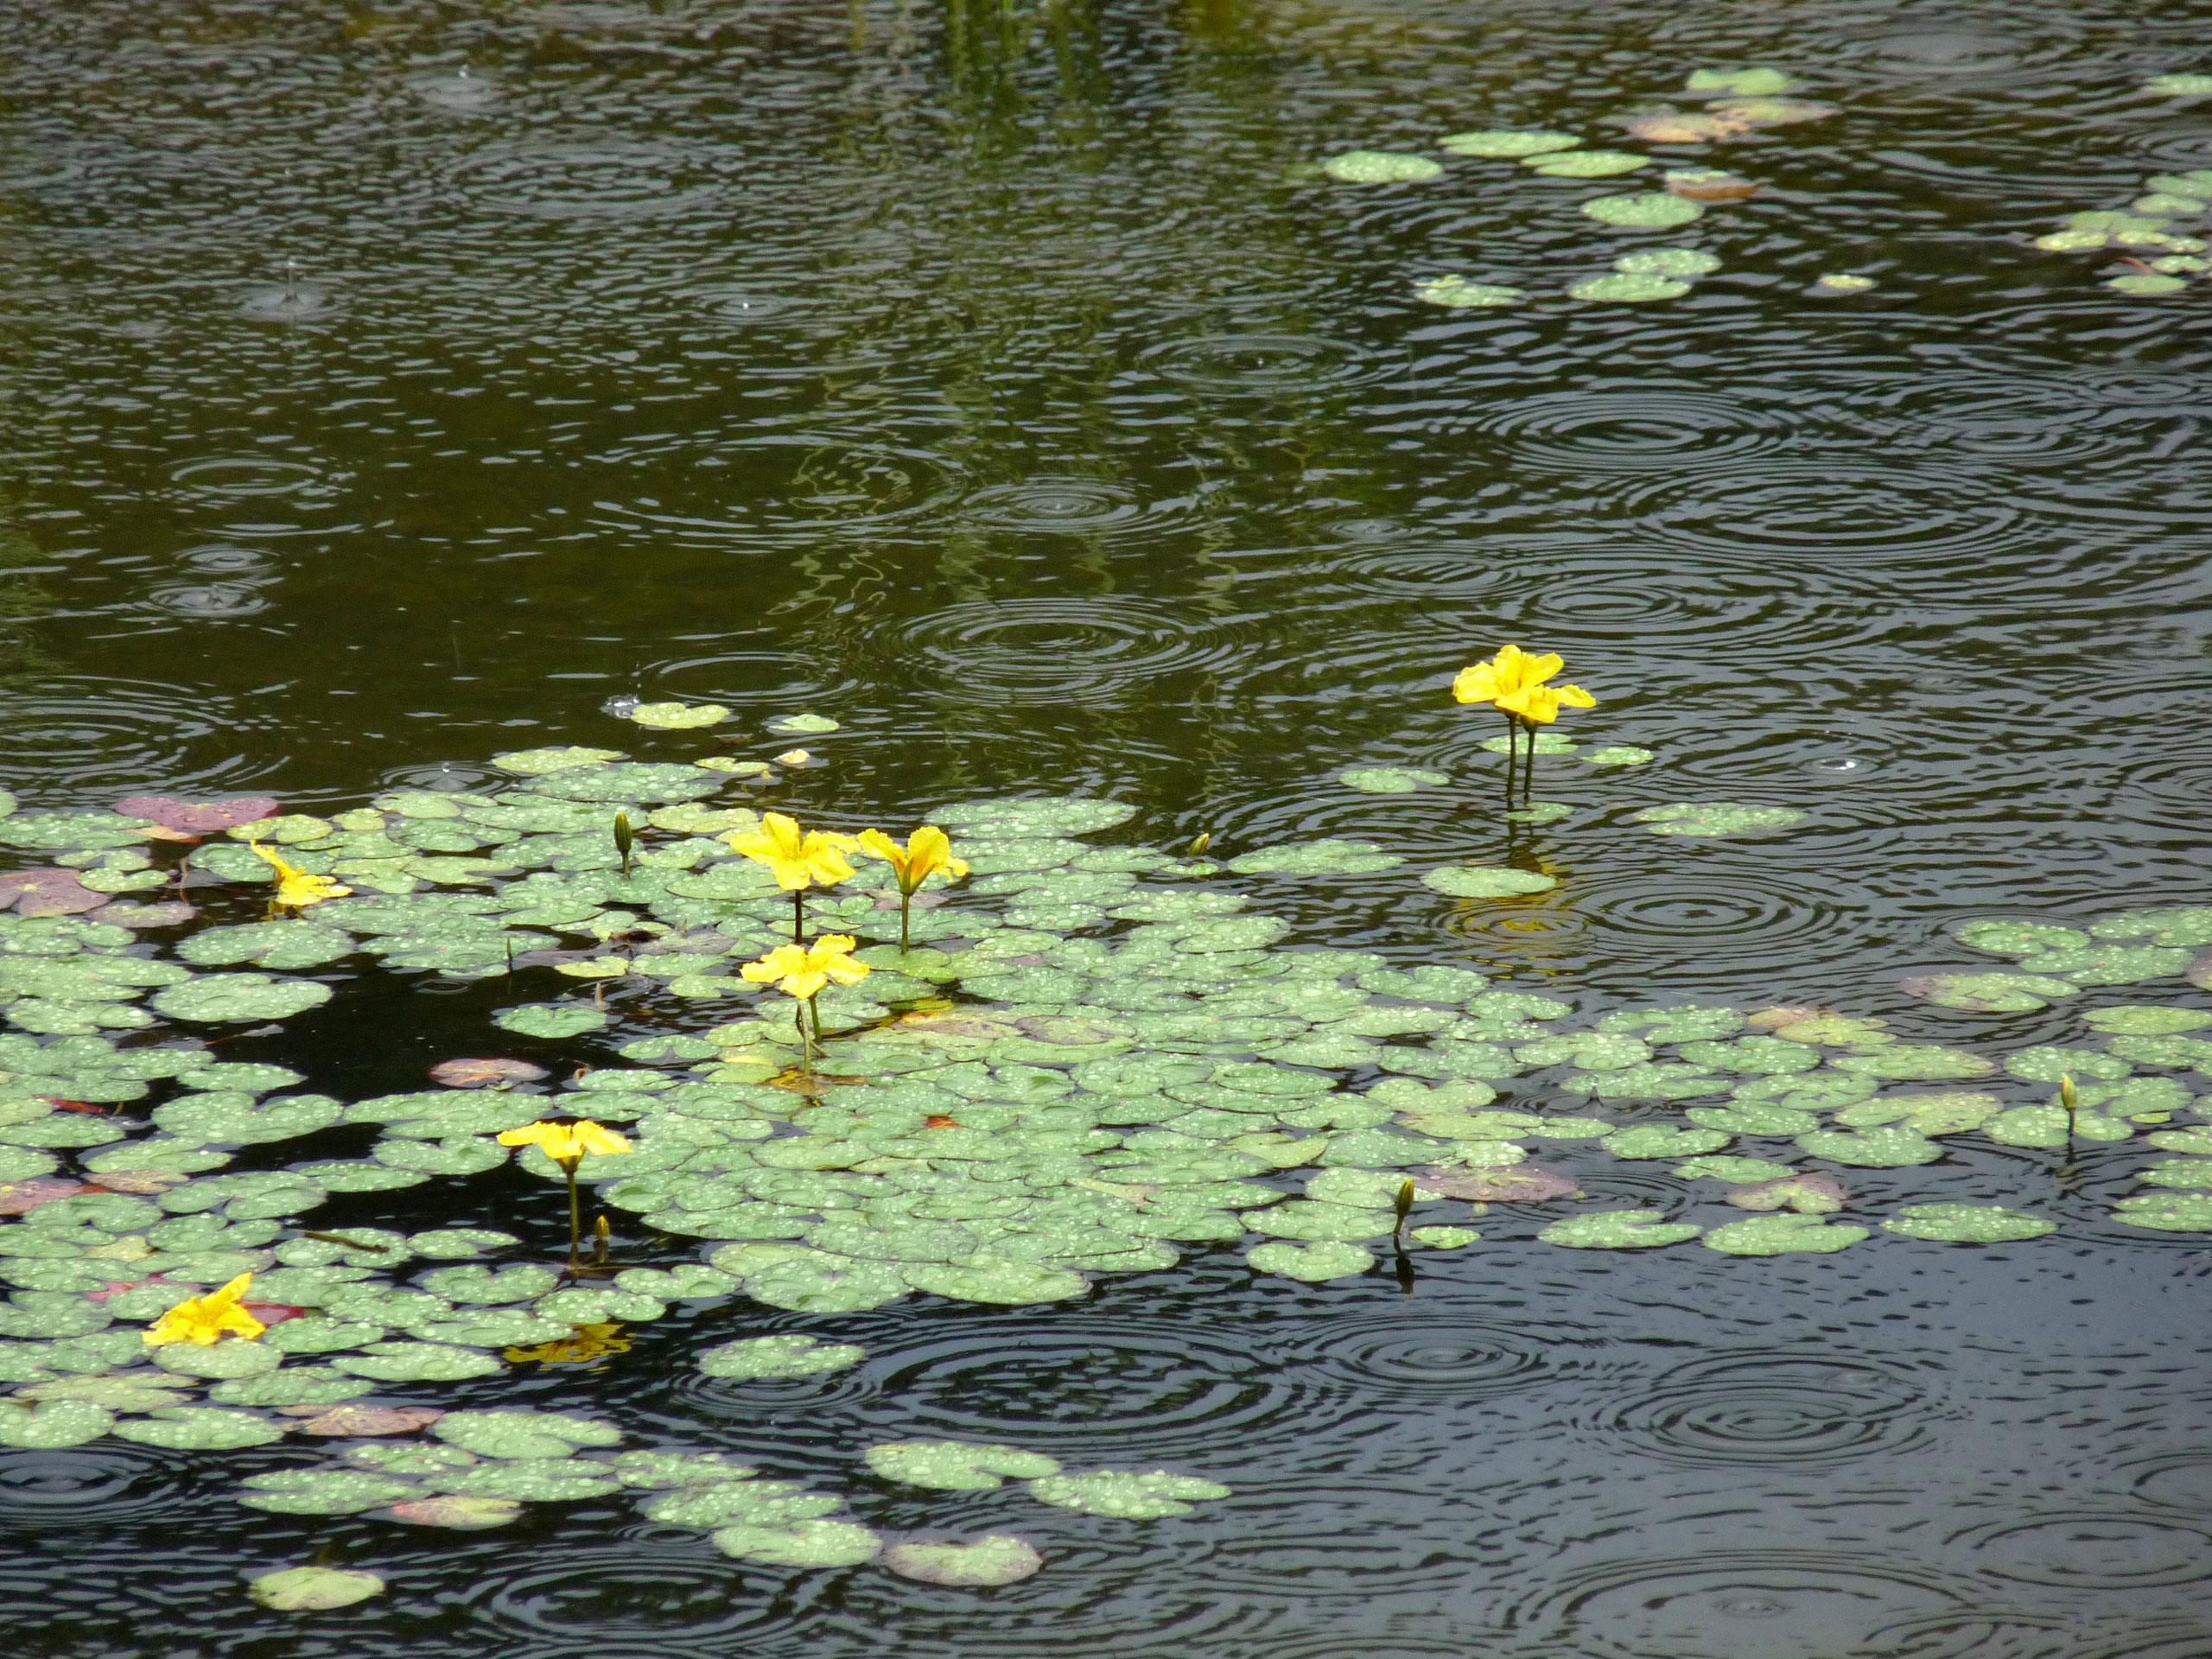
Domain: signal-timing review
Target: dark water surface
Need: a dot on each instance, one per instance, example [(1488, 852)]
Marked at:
[(391, 386)]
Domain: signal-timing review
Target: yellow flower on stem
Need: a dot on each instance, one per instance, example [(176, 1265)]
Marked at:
[(798, 859), (568, 1145), (205, 1318), (927, 851), (1516, 683), (295, 888), (801, 971)]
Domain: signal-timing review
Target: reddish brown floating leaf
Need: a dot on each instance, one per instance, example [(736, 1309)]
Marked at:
[(49, 893), (938, 1121), (274, 1313), (1520, 1183), (172, 914), (1808, 1195), (482, 1074), (1712, 187), (77, 1105), (200, 818), (116, 1287), (20, 1197), (359, 1421), (1785, 1015), (1673, 128), (460, 1514)]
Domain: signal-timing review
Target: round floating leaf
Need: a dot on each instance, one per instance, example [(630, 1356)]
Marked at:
[(313, 1589), (1040, 815), (1628, 290), (1476, 881), (2167, 1212), (1126, 1495), (418, 1361), (1889, 1148), (1379, 166), (826, 1284), (1716, 818), (1313, 1263), (1968, 1223), (666, 1469), (1782, 1234), (953, 1467), (1945, 1114), (1000, 1283), (679, 717), (1331, 857), (1759, 82), (1808, 1195), (754, 1502), (1836, 282), (998, 1558), (2005, 938), (1462, 294), (530, 1480), (1659, 1141), (532, 762), (1623, 756), (2180, 85), (2140, 1020), (1507, 145), (297, 1386), (477, 1284), (51, 1426), (1769, 111), (2049, 1064), (1586, 163), (1668, 261), (222, 1359), (1987, 993), (457, 1514), (1391, 781), (214, 997), (1617, 1230), (268, 944), (2109, 964), (322, 1491), (1734, 1170), (199, 1429), (552, 1023), (1655, 210), (757, 1358), (802, 725), (1444, 1238), (815, 1544), (2147, 283), (1915, 1062)]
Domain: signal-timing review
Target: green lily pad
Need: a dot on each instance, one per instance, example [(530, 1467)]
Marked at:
[(2145, 1020), (1314, 1263), (214, 997), (1654, 210), (1330, 857), (478, 1284), (1585, 163), (954, 1466), (1126, 1495), (52, 1426), (1003, 1283), (1968, 1223), (1658, 1140), (1735, 1171), (681, 717), (1467, 881), (2005, 938), (2167, 1212), (1458, 293), (1506, 144), (199, 1429), (756, 1357), (298, 1385), (751, 1502), (1945, 1114), (1379, 166), (2105, 964), (1311, 1220), (530, 1480), (2179, 86), (533, 762), (1783, 1233), (1621, 755), (2049, 1064), (1916, 1062), (821, 1283), (551, 1022), (998, 1558), (456, 1514), (1716, 817), (1668, 261), (2195, 1052), (1444, 1238), (1753, 1117), (1749, 82), (1632, 289), (2049, 1127), (417, 1362), (1887, 1148), (816, 1543), (116, 1393), (1617, 1230), (324, 1491), (1988, 993), (663, 1471), (268, 944), (1391, 781), (2147, 283), (313, 1589), (225, 1359)]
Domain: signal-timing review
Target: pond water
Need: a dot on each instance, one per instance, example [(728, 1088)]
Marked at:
[(393, 387)]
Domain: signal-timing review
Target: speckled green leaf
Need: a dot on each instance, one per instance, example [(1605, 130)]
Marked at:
[(757, 1358), (1314, 1263), (1783, 1234), (814, 1543), (1617, 1230), (1888, 1148)]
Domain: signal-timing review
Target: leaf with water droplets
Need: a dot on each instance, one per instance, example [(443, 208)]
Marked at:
[(1885, 1148), (1379, 166), (2144, 1019), (553, 1022), (788, 1355), (1968, 1223), (1391, 781), (456, 1513), (1314, 1263), (1506, 144), (1458, 293), (1752, 82), (1716, 818), (313, 1589), (1331, 857), (956, 1466), (1783, 1234), (52, 1426), (1987, 993), (1585, 163), (1619, 1230), (1628, 290), (234, 997), (998, 1558), (1652, 210), (1127, 1495), (678, 717), (1487, 882), (1807, 1195), (815, 1542)]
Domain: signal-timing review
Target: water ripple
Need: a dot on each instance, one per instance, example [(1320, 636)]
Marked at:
[(1049, 650), (1778, 1409)]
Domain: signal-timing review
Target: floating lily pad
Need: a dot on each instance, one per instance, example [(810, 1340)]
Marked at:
[(530, 1480), (2145, 1020), (551, 1021), (1314, 1263), (1885, 1148), (1331, 857), (1126, 1495), (1945, 1114), (2049, 1064), (1003, 1283), (1619, 1230), (1626, 290), (1968, 1223), (199, 1429), (816, 1543), (1585, 163), (1770, 112), (1988, 993), (757, 1358), (1470, 881), (1807, 1195), (1838, 282), (1444, 1238), (1379, 166), (1619, 756), (1716, 818), (455, 1513), (51, 1426), (269, 944), (2180, 85), (1506, 144), (1660, 1140), (313, 1589), (998, 1558), (417, 1361), (1753, 82), (2167, 1212), (1391, 781), (532, 762), (1916, 1062), (1461, 293), (678, 717), (215, 997), (1783, 1234), (2100, 964), (1654, 210), (955, 1467), (751, 1502)]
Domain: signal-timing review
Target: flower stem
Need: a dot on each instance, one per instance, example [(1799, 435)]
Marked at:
[(576, 1216), (906, 901), (1512, 754), (798, 915)]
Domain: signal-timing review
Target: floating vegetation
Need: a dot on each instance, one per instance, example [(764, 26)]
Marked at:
[(2182, 85), (1837, 283), (1716, 818), (1754, 82), (313, 1589), (1585, 163), (1506, 144), (1655, 210), (1463, 293), (1379, 166), (1710, 184), (678, 717)]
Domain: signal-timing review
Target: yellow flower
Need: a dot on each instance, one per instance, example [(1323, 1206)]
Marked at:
[(1515, 682), (564, 1143), (590, 1341), (800, 859), (204, 1319), (801, 971), (295, 888), (927, 851)]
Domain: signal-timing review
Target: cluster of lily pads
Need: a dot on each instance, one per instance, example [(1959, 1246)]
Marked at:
[(1089, 1060), (1740, 102), (2143, 236)]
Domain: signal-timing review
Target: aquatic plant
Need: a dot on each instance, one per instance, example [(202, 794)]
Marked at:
[(801, 971), (568, 1145), (797, 859), (927, 851), (1517, 684), (295, 888), (207, 1319)]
